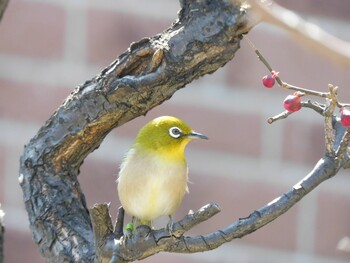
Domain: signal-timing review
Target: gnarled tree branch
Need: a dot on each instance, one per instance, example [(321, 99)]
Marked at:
[(204, 38)]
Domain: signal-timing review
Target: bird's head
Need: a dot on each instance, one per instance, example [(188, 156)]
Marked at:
[(167, 136)]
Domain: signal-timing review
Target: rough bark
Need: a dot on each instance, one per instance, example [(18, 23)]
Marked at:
[(204, 38)]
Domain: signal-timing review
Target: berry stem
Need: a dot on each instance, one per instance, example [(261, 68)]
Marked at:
[(278, 79), (306, 91), (263, 60), (319, 108), (341, 105), (327, 112)]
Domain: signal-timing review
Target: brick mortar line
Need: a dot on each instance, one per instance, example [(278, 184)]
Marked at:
[(213, 93), (167, 10), (12, 193), (48, 72), (307, 216), (75, 48), (271, 138), (243, 252), (158, 9), (15, 218)]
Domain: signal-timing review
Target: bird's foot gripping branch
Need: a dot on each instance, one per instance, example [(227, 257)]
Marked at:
[(113, 246)]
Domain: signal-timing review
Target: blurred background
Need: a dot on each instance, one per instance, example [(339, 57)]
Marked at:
[(47, 48)]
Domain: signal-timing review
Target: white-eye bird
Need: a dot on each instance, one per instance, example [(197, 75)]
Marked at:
[(153, 175)]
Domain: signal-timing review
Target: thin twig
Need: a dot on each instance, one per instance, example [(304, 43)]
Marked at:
[(281, 83), (193, 219), (306, 91), (280, 116), (324, 43), (262, 59), (305, 104), (319, 108), (341, 105)]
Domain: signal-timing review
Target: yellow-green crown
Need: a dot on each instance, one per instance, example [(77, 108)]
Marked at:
[(166, 135)]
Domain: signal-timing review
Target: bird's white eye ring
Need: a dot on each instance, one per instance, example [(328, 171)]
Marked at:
[(175, 132)]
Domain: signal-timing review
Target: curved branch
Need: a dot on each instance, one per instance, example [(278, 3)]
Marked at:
[(204, 38), (146, 242), (324, 169)]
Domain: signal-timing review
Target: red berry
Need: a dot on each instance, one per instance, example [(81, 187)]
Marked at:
[(268, 81), (293, 102), (345, 117)]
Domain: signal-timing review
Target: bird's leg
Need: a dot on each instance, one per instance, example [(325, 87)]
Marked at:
[(150, 224), (145, 222), (170, 225), (128, 232), (129, 229)]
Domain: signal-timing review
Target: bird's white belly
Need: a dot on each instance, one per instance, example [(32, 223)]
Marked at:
[(150, 187)]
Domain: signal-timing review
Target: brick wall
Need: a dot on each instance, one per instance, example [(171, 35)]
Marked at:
[(49, 47)]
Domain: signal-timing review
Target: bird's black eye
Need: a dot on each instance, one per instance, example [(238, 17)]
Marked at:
[(175, 132)]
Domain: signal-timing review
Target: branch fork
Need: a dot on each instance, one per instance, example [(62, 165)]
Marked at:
[(337, 149), (147, 242), (113, 246)]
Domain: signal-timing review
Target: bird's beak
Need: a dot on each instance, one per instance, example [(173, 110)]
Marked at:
[(196, 135)]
